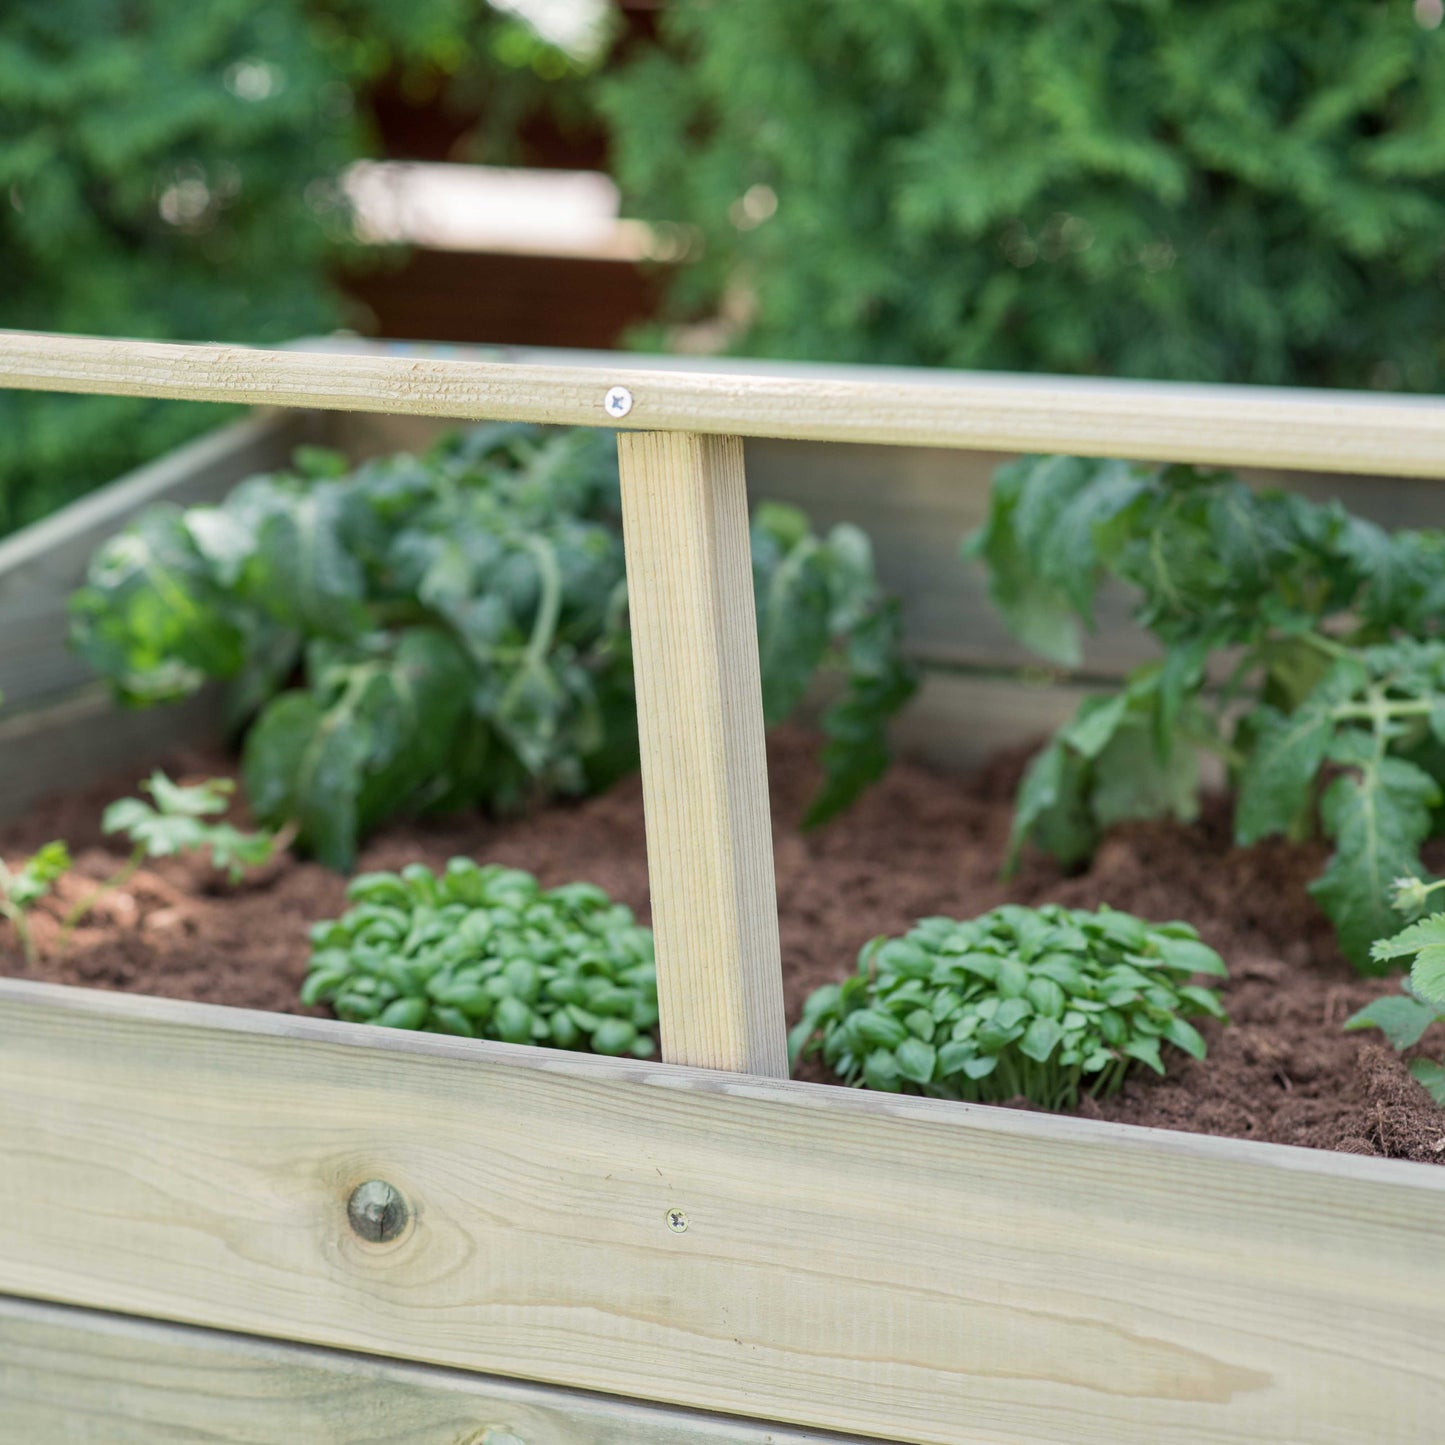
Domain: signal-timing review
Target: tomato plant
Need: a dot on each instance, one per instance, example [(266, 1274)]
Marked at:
[(1300, 644)]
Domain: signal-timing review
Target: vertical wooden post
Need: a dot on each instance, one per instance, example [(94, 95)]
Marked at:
[(704, 773)]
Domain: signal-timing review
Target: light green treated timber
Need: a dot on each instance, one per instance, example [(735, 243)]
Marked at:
[(69, 1375), (906, 1268), (1246, 426)]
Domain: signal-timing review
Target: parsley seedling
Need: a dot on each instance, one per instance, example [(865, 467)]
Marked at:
[(485, 952), (179, 819), (1404, 1017), (22, 887), (1021, 1002)]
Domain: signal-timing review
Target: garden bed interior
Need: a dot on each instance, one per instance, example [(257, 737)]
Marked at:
[(899, 1268)]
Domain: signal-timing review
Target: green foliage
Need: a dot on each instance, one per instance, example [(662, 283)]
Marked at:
[(458, 623), (1021, 1002), (170, 171), (167, 171), (1248, 190), (1322, 627), (1423, 942), (818, 601), (1403, 1019), (22, 887), (486, 953), (181, 820)]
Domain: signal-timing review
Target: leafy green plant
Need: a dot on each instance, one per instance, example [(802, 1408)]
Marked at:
[(1423, 942), (1403, 1019), (1247, 191), (179, 819), (819, 604), (1021, 1002), (24, 886), (171, 171), (457, 625), (485, 952), (1301, 644)]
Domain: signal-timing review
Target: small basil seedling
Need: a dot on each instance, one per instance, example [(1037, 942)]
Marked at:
[(1021, 1002), (486, 952)]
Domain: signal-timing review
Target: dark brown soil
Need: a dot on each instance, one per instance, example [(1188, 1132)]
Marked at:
[(919, 843)]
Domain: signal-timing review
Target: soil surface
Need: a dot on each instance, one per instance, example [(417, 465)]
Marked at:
[(919, 843)]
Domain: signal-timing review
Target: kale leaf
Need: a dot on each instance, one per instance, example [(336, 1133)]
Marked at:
[(450, 630)]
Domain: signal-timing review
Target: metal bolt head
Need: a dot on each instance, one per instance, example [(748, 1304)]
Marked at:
[(377, 1211), (677, 1221), (617, 402)]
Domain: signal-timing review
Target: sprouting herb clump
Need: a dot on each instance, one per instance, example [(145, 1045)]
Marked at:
[(179, 819), (1021, 1002), (486, 952), (186, 819), (1301, 644), (1404, 1017), (442, 631), (23, 886)]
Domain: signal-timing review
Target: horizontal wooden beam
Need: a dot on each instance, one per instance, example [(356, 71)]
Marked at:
[(900, 1268), (1330, 431), (71, 1375)]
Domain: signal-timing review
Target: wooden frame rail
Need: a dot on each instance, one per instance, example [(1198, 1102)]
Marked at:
[(1327, 431)]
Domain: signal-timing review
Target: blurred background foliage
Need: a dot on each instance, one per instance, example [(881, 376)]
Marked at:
[(171, 171), (1244, 190), (1248, 190)]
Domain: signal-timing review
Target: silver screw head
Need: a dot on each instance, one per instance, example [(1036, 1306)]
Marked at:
[(677, 1221), (617, 402), (377, 1211)]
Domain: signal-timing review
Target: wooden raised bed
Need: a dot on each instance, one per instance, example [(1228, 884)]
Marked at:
[(701, 1239)]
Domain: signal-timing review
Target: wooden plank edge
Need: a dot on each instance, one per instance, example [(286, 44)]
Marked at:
[(1021, 1124), (1240, 426), (82, 737), (110, 504), (68, 1373)]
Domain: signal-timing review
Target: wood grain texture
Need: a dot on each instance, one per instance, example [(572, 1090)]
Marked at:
[(897, 1267), (704, 767), (41, 565), (1329, 431), (69, 1375)]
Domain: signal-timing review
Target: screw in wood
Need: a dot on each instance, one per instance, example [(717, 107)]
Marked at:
[(617, 402), (677, 1221), (377, 1211)]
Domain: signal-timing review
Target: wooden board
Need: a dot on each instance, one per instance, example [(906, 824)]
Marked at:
[(69, 1375), (905, 1268), (1330, 431), (42, 564), (704, 767), (85, 738)]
